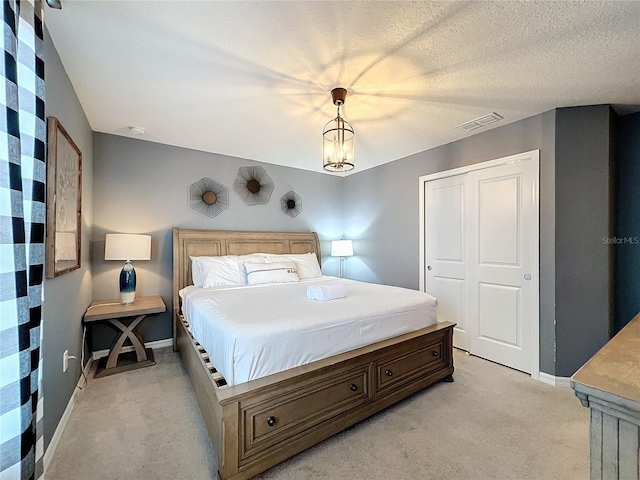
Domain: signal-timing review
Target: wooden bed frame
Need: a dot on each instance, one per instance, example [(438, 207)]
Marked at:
[(256, 425)]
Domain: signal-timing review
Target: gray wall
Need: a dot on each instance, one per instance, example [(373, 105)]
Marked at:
[(584, 269), (628, 225), (141, 187), (66, 297), (381, 215)]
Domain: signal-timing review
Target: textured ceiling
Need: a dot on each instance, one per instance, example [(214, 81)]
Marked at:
[(253, 79)]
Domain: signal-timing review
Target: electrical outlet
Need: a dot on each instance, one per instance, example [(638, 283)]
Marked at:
[(65, 361)]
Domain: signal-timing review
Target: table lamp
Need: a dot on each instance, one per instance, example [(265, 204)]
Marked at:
[(120, 246), (341, 248)]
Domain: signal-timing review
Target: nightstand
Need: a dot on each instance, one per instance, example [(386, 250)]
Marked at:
[(124, 318)]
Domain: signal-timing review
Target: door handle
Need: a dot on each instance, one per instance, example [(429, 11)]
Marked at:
[(429, 267)]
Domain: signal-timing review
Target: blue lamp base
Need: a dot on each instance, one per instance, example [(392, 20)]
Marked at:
[(127, 283)]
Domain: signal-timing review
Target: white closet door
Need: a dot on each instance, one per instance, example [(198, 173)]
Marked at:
[(503, 243), (481, 258), (446, 252)]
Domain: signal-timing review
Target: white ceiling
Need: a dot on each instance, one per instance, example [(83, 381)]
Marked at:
[(253, 79)]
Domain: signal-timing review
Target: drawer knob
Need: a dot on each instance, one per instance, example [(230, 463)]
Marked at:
[(271, 421), (353, 387), (435, 353), (388, 373)]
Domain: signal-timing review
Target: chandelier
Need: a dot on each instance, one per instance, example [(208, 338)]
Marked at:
[(338, 139)]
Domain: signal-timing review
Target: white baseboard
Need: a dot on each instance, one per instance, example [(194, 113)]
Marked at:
[(167, 342), (555, 381), (53, 444)]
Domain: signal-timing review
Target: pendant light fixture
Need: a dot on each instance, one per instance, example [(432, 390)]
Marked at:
[(338, 139)]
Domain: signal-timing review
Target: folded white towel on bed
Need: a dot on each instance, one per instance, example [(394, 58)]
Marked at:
[(327, 291)]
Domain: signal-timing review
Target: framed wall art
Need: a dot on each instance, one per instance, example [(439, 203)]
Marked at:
[(64, 201)]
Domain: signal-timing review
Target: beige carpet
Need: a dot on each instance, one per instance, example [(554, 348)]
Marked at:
[(491, 423)]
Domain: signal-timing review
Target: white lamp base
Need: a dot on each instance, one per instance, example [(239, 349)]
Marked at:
[(127, 297)]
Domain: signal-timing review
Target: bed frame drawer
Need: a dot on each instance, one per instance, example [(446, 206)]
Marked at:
[(403, 368), (267, 423)]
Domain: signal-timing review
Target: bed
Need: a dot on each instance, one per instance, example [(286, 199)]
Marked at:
[(257, 420)]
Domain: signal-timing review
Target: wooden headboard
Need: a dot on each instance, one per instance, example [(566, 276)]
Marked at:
[(196, 243)]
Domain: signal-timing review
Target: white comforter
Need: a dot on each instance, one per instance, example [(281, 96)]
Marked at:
[(257, 330)]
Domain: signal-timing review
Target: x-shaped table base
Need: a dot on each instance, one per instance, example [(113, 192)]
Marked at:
[(144, 356), (124, 318), (130, 333)]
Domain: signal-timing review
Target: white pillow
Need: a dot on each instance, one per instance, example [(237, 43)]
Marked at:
[(220, 271), (308, 266), (196, 274), (273, 272), (253, 258)]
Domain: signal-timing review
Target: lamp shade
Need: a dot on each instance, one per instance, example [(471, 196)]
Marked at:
[(341, 248), (124, 246)]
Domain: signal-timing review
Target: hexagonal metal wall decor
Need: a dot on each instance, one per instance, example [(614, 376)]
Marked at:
[(208, 197), (291, 204), (254, 185)]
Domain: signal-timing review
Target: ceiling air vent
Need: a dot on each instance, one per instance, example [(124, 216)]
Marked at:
[(480, 122)]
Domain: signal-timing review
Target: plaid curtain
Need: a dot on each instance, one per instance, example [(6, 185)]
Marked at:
[(22, 231)]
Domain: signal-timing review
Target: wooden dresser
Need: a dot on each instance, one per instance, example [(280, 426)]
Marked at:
[(609, 384)]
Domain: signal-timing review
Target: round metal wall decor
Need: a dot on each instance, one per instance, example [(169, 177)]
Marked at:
[(208, 197), (254, 185), (291, 204)]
